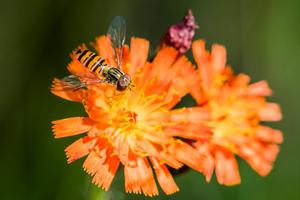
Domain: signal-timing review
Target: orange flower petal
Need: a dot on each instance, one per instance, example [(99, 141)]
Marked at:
[(93, 161), (139, 49), (76, 68), (270, 112), (199, 52), (227, 171), (158, 68), (267, 152), (170, 160), (97, 129), (192, 114), (187, 155), (159, 82), (163, 61), (218, 57), (140, 178), (95, 104), (268, 134), (198, 93), (156, 137), (102, 163), (260, 88), (164, 177), (196, 132), (71, 126), (79, 148), (105, 50), (254, 156), (126, 59), (71, 95), (184, 117), (127, 157), (240, 82), (180, 85), (154, 150), (270, 152), (209, 163), (106, 172), (203, 58)]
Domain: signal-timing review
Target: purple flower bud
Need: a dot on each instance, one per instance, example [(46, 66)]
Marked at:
[(180, 35)]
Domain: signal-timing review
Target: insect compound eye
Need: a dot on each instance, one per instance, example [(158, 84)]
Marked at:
[(127, 79), (123, 82), (120, 85)]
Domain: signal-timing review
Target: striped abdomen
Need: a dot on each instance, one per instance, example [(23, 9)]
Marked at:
[(90, 60)]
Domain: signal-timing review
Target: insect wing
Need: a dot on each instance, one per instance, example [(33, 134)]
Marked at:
[(73, 82), (117, 33)]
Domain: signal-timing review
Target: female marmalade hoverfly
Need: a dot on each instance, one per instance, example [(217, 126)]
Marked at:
[(101, 72)]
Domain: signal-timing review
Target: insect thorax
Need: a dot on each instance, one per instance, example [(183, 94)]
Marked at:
[(113, 75)]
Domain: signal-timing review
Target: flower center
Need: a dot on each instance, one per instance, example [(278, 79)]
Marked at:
[(124, 116), (132, 117), (232, 116)]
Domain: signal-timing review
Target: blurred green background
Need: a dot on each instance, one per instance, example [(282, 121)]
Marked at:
[(262, 39)]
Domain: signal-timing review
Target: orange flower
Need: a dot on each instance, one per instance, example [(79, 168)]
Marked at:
[(236, 108), (137, 127)]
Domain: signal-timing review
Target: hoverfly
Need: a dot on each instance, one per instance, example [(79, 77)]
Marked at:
[(101, 72)]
